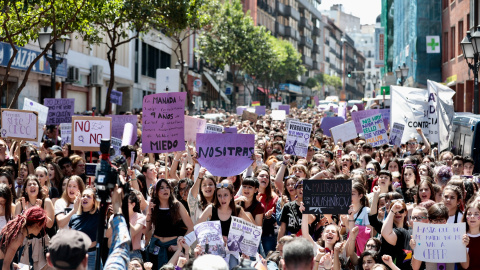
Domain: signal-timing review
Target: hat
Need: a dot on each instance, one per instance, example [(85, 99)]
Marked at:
[(68, 248), (56, 148)]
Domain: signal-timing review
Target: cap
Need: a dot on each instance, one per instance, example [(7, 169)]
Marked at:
[(68, 248), (56, 148)]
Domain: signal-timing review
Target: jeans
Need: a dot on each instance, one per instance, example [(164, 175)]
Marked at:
[(269, 243), (136, 254), (91, 260), (157, 252)]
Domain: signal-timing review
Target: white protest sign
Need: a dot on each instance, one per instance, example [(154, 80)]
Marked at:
[(278, 115), (439, 243), (116, 143), (212, 128), (275, 105), (211, 232), (87, 132), (244, 237), (396, 134), (374, 130), (19, 124), (66, 133), (344, 132), (168, 80), (298, 138), (31, 105), (190, 238)]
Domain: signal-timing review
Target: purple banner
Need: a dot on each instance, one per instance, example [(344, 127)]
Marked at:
[(118, 126), (60, 110), (329, 122), (357, 116), (225, 154), (232, 129), (286, 108), (163, 122), (260, 110)]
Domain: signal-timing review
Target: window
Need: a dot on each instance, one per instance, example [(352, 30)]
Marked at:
[(460, 36), (153, 59), (452, 42), (445, 47), (468, 21)]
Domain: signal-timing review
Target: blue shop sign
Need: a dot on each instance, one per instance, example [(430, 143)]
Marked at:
[(25, 56), (292, 88)]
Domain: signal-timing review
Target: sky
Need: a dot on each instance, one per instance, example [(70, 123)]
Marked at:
[(366, 10)]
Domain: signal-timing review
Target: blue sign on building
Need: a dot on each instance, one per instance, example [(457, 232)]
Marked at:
[(228, 91), (292, 88), (25, 57)]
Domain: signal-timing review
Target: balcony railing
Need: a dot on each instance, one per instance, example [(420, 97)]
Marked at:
[(306, 41), (280, 8), (292, 12), (279, 29), (305, 23)]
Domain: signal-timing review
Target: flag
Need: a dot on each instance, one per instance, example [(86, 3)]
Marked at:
[(443, 111), (255, 103)]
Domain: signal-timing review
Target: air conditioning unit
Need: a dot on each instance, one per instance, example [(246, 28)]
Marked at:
[(73, 74), (96, 75)]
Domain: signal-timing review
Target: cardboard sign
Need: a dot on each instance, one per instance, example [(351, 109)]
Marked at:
[(116, 97), (250, 116), (286, 108), (30, 105), (275, 105), (225, 154), (374, 130), (244, 237), (356, 116), (396, 134), (279, 115), (168, 80), (260, 110), (88, 131), (210, 232), (163, 123), (66, 133), (342, 110), (20, 124), (327, 196), (193, 126), (298, 138), (439, 243), (330, 122), (60, 110), (344, 132), (118, 126)]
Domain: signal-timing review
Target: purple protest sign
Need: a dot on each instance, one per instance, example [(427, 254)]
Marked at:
[(240, 110), (163, 122), (116, 97), (315, 98), (329, 122), (225, 154), (232, 129), (60, 110), (193, 126), (260, 110), (286, 108), (356, 116), (118, 126)]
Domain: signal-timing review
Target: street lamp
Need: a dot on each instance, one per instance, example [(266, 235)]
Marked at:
[(401, 73), (61, 46), (219, 77), (471, 50)]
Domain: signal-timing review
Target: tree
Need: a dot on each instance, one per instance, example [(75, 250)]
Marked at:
[(326, 79)]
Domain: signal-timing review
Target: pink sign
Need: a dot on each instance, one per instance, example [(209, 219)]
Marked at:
[(193, 126), (118, 126), (163, 122)]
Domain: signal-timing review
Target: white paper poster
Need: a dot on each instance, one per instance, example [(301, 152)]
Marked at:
[(298, 138), (344, 132), (42, 111), (168, 80), (66, 133), (278, 115), (244, 237), (87, 132), (275, 105), (396, 133), (116, 144), (210, 232), (212, 128), (19, 124)]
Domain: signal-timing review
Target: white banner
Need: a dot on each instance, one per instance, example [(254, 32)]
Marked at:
[(278, 115), (66, 133), (442, 111), (396, 133)]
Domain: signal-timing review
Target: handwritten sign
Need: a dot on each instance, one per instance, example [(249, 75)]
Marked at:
[(374, 130), (298, 138), (163, 123), (344, 132), (275, 105), (330, 122), (244, 237), (30, 105), (212, 128), (327, 196), (60, 110), (225, 154), (116, 97), (260, 110), (250, 116), (19, 124), (286, 108), (66, 133), (279, 115), (439, 243), (357, 116), (396, 134), (210, 232), (193, 126), (88, 131)]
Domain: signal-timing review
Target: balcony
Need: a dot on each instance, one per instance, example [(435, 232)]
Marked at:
[(307, 61), (327, 59), (279, 29), (327, 42), (316, 65), (316, 31), (292, 12), (316, 48), (280, 8), (306, 41), (290, 32), (305, 23)]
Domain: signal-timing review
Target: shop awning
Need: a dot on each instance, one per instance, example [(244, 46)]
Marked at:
[(215, 85), (263, 90)]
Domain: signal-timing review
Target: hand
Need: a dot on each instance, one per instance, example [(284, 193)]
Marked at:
[(45, 191), (387, 259), (148, 265), (76, 202), (151, 206), (338, 247), (412, 243), (465, 240), (327, 261), (268, 214), (198, 250), (419, 131), (396, 207), (181, 261), (354, 231), (202, 172), (351, 212), (241, 199), (24, 204), (344, 219), (376, 191), (38, 202), (302, 207), (117, 200)]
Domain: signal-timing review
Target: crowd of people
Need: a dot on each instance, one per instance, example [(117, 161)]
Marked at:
[(49, 213)]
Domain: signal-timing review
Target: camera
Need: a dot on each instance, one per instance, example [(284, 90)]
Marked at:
[(106, 177)]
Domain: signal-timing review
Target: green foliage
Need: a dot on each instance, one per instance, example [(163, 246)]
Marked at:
[(289, 62), (311, 83), (329, 80)]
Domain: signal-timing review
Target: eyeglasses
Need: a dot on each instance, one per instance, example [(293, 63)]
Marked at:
[(370, 169), (371, 246), (411, 143), (222, 185), (417, 218)]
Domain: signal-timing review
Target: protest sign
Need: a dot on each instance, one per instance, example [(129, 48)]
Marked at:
[(190, 238), (193, 126), (118, 126), (329, 114), (19, 124), (327, 196), (232, 129), (251, 109), (225, 154), (298, 138), (442, 109), (168, 80), (212, 128), (250, 116), (210, 232), (329, 122), (66, 133), (396, 134), (30, 105), (240, 110), (116, 144), (260, 110), (116, 97), (60, 110), (286, 108), (275, 105), (87, 132), (244, 237), (439, 243), (316, 100), (356, 116), (344, 132), (374, 130), (342, 110), (163, 122), (278, 115)]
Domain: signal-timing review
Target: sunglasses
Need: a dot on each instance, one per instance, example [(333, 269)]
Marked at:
[(222, 185), (417, 218), (400, 212)]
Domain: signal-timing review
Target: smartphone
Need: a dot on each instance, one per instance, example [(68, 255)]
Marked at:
[(90, 169), (339, 152)]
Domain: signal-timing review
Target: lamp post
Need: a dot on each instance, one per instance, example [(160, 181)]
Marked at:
[(471, 50), (60, 46), (219, 77), (401, 73)]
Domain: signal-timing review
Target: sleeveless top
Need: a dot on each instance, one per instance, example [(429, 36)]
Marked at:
[(165, 227), (224, 224)]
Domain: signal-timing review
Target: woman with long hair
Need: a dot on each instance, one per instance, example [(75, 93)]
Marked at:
[(409, 183), (472, 219), (45, 184), (150, 172), (6, 205), (425, 192), (169, 219), (12, 236), (55, 175), (453, 199), (7, 178), (269, 199), (394, 165), (70, 197)]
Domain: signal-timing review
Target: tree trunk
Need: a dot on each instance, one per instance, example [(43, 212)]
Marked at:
[(111, 55), (184, 79), (4, 83)]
